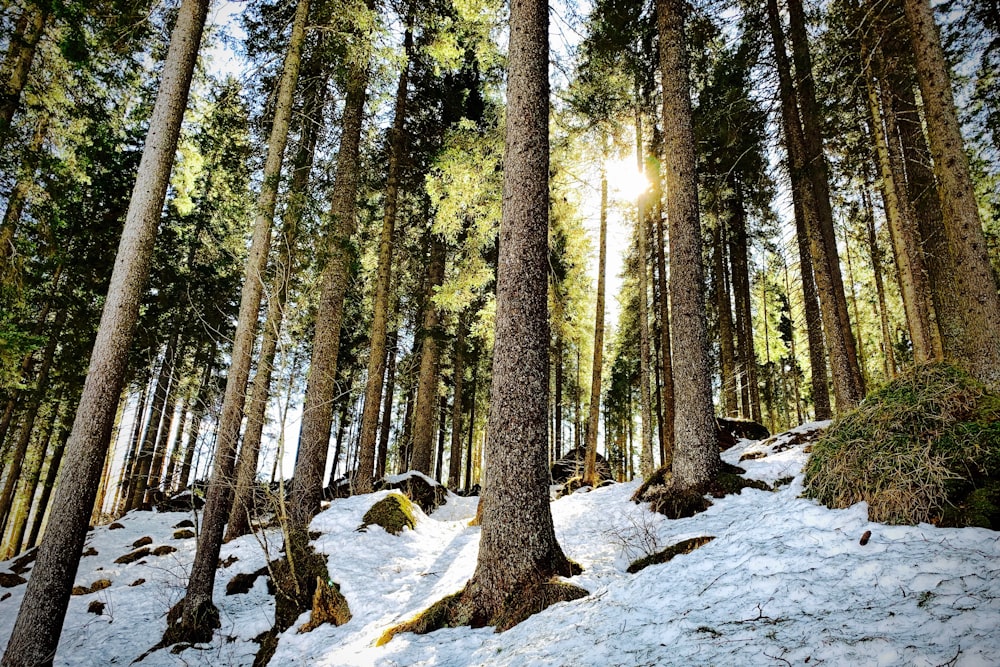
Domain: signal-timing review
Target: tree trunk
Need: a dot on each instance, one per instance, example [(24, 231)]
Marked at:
[(430, 357), (317, 410), (144, 462), (19, 197), (472, 421), (727, 354), (386, 425), (808, 171), (518, 546), (17, 63), (50, 481), (39, 622), (17, 457), (200, 617), (593, 414), (558, 400), (363, 481), (249, 455), (875, 255), (200, 410), (973, 280), (667, 388), (738, 257), (458, 370), (696, 449), (909, 256), (646, 402)]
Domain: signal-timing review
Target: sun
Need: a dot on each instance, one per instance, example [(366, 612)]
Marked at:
[(625, 181)]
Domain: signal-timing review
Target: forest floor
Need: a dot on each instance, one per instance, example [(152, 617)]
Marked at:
[(785, 581)]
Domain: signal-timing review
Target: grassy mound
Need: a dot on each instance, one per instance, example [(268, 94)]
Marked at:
[(394, 513), (925, 447)]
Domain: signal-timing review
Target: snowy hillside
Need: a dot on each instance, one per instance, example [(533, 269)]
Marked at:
[(785, 581)]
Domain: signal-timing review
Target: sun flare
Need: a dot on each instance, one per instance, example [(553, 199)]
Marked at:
[(625, 180)]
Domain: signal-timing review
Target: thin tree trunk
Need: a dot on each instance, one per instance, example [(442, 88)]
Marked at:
[(317, 410), (558, 400), (430, 356), (200, 616), (667, 388), (593, 415), (696, 450), (125, 480), (646, 403), (39, 622), (808, 170), (55, 461), (28, 419), (875, 255), (458, 370), (739, 259), (386, 425), (249, 455), (363, 480), (472, 421), (913, 283), (144, 463), (19, 197), (727, 354), (441, 430), (200, 410), (17, 63)]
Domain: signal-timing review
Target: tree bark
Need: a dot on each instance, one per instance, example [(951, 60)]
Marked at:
[(667, 388), (645, 400), (808, 172), (973, 280), (913, 285), (17, 63), (740, 263), (458, 370), (386, 425), (430, 358), (39, 622), (727, 354), (594, 411), (518, 546), (363, 479), (200, 616), (875, 255), (696, 451), (248, 459), (317, 410)]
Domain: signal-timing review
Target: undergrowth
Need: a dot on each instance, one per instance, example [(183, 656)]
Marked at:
[(923, 448)]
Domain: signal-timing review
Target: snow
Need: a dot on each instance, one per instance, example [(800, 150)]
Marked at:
[(784, 581)]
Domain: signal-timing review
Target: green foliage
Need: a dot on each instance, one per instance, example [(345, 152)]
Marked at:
[(924, 447)]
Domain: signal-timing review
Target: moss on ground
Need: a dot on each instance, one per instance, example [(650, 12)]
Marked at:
[(923, 448), (393, 513), (660, 557), (676, 501)]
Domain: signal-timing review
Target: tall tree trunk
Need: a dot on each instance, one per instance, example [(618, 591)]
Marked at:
[(727, 355), (819, 382), (200, 410), (472, 420), (875, 255), (249, 455), (646, 403), (594, 412), (441, 431), (390, 389), (518, 547), (19, 197), (17, 63), (458, 370), (55, 461), (200, 617), (696, 449), (35, 402), (144, 462), (363, 479), (132, 453), (739, 259), (667, 388), (913, 285), (28, 483), (558, 400), (973, 280), (808, 170), (39, 622), (430, 357), (317, 413)]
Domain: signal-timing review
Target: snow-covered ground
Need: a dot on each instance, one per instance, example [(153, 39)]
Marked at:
[(785, 581)]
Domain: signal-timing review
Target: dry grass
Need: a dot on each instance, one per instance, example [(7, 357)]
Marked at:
[(916, 451)]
